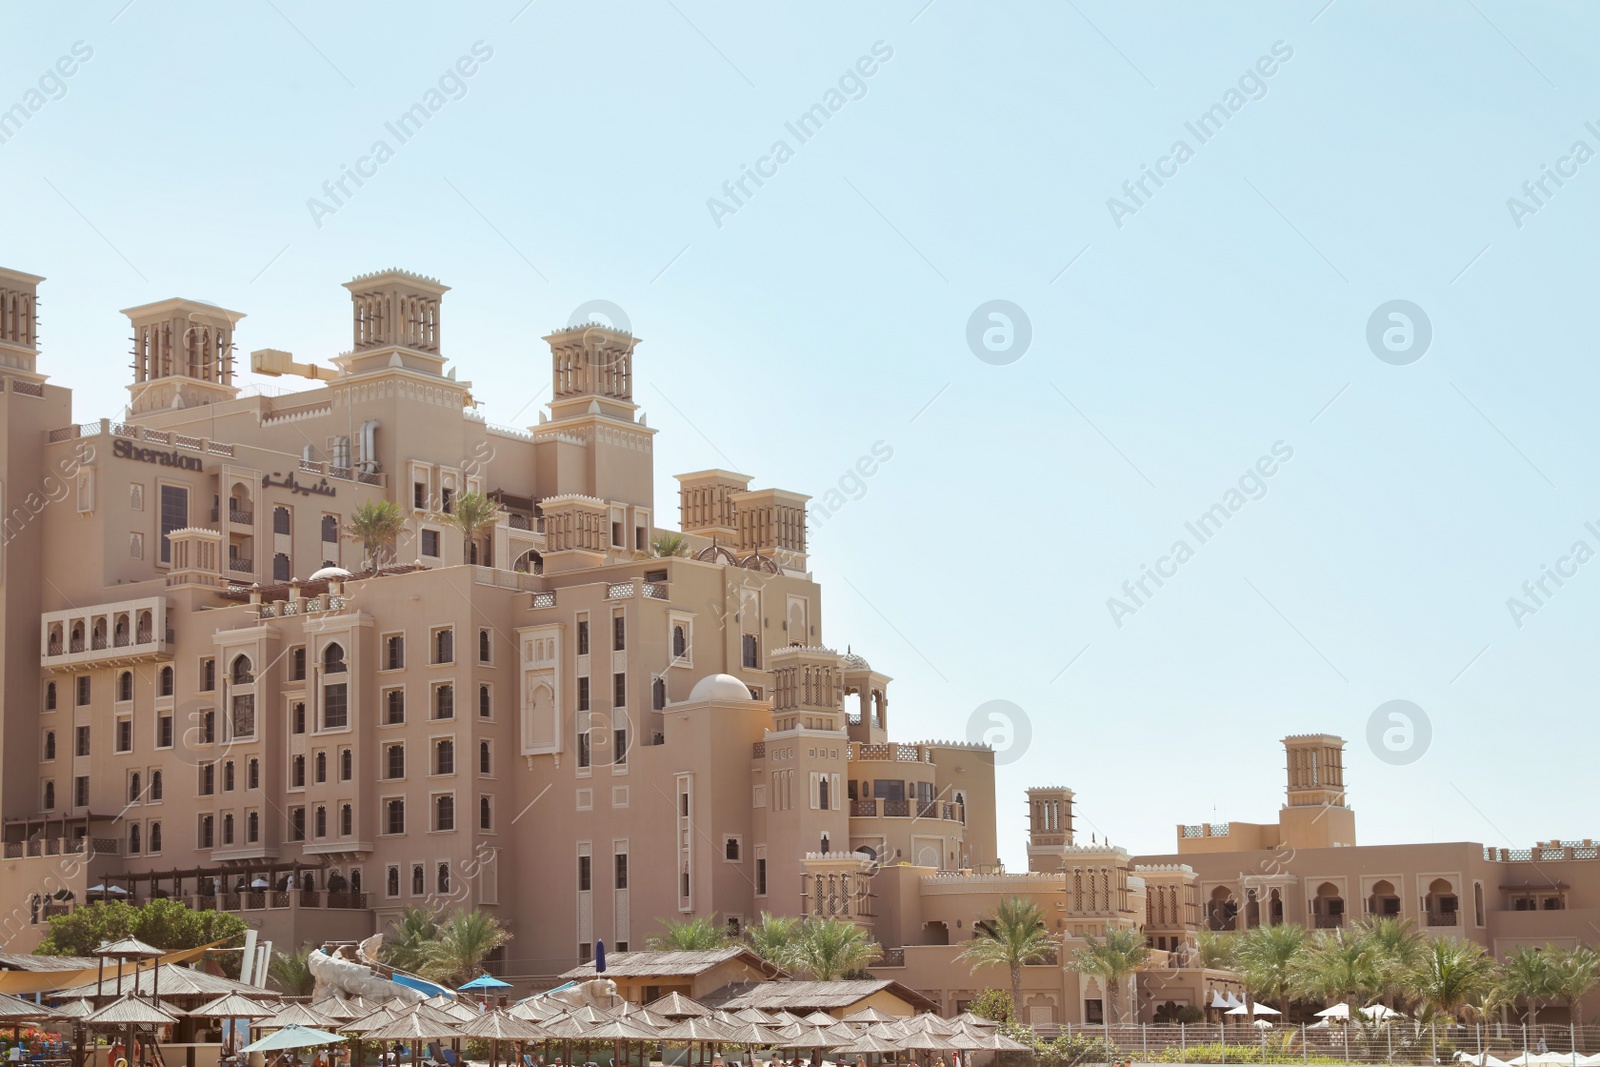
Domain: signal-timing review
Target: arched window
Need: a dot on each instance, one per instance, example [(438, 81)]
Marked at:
[(166, 682), (347, 821), (658, 693), (252, 773), (680, 641), (483, 646), (280, 567), (227, 776), (240, 673), (280, 520), (444, 757), (297, 772), (125, 685), (134, 788), (49, 744), (133, 838), (333, 660), (155, 837), (156, 788), (485, 758), (347, 766), (322, 821), (322, 767), (50, 695), (252, 827), (227, 829), (485, 705)]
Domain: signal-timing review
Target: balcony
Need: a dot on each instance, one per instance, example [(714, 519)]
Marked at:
[(864, 809), (241, 515), (1328, 922), (869, 808), (1443, 918), (125, 632), (241, 565)]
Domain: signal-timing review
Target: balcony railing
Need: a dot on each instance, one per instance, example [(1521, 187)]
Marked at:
[(864, 809), (242, 565), (241, 515), (892, 957), (1443, 918), (1329, 922), (897, 808)]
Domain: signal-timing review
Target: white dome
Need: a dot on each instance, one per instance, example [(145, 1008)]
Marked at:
[(723, 687), (329, 573)]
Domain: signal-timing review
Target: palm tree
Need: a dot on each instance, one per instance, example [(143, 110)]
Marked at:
[(1013, 936), (689, 935), (669, 544), (465, 939), (1451, 975), (774, 937), (1113, 959), (376, 524), (471, 513), (1577, 972), (1528, 976), (1396, 949), (1216, 950), (405, 945), (1334, 969), (832, 949), (1265, 956), (292, 973)]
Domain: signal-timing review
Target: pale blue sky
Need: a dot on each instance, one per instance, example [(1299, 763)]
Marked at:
[(830, 312)]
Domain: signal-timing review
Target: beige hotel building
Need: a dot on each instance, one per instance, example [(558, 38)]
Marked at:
[(203, 697)]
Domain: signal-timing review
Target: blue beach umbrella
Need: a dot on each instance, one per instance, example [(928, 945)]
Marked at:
[(485, 981)]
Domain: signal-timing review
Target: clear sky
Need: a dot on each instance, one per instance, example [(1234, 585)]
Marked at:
[(1334, 159)]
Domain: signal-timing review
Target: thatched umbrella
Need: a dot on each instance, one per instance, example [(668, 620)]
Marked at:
[(678, 1006), (72, 1009), (298, 1015), (695, 1030), (870, 1015), (534, 1009), (497, 1026), (417, 1028)]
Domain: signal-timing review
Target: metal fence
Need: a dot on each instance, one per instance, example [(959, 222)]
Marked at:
[(1400, 1041)]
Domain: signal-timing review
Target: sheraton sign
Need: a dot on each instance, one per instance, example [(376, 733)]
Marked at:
[(127, 450)]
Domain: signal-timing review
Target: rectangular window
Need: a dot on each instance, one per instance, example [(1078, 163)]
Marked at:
[(619, 740), (751, 658), (208, 727), (391, 880), (419, 496), (81, 745), (394, 652), (84, 689), (297, 824), (585, 864), (444, 702), (394, 707), (583, 694), (207, 827), (430, 543), (395, 761), (124, 735), (208, 674), (583, 637), (619, 633), (208, 779), (619, 690), (297, 717), (620, 861), (444, 812), (761, 876), (444, 757), (583, 749), (244, 715), (444, 646), (80, 791), (335, 706), (616, 534), (163, 731), (174, 516), (395, 816), (297, 664)]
